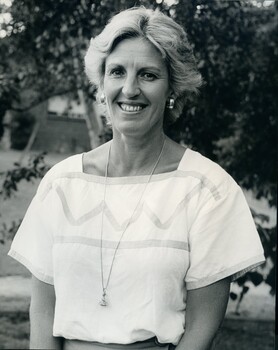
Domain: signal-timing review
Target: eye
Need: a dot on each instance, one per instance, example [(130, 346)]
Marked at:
[(148, 76), (116, 72)]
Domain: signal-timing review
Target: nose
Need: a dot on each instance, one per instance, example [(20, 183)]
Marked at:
[(130, 87)]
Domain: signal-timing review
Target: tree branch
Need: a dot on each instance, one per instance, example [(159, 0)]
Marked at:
[(40, 100)]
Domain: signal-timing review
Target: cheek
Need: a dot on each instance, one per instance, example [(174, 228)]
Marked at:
[(109, 88), (159, 98), (160, 92)]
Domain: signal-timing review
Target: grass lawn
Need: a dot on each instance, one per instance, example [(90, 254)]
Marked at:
[(14, 330), (234, 335), (246, 335)]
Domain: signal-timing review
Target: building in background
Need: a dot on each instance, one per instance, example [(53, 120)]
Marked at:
[(64, 129), (60, 125)]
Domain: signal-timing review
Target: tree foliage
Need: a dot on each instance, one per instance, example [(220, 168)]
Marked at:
[(35, 169), (21, 129), (49, 39), (10, 179), (233, 121)]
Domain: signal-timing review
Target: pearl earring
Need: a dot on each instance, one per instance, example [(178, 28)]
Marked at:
[(170, 103), (102, 99)]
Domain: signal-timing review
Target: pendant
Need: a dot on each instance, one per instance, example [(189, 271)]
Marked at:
[(103, 301)]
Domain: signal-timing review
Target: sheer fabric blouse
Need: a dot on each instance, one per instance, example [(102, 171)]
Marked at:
[(192, 228)]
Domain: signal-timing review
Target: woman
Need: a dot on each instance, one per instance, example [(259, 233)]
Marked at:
[(134, 244)]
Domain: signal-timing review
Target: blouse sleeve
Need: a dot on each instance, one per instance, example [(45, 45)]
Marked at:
[(32, 245), (223, 240)]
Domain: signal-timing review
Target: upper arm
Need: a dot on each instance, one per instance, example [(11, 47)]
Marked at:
[(42, 297), (205, 310), (42, 316), (208, 302)]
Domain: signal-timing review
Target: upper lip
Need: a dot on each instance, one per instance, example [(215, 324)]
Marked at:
[(133, 103)]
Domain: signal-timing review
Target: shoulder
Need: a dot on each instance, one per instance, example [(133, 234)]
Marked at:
[(72, 164), (92, 162), (208, 172)]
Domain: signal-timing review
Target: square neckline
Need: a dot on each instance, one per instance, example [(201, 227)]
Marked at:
[(133, 178)]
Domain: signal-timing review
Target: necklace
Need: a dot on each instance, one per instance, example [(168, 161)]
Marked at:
[(103, 301)]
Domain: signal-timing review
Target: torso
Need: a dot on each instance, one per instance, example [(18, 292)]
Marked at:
[(154, 247)]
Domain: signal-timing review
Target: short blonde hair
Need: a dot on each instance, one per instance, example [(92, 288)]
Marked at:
[(165, 34)]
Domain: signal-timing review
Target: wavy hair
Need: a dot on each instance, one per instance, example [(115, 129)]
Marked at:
[(165, 34)]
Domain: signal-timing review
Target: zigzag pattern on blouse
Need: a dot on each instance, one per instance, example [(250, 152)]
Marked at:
[(143, 208)]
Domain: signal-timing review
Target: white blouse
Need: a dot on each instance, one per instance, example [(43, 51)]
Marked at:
[(192, 228)]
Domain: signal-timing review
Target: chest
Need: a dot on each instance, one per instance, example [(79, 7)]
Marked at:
[(157, 210)]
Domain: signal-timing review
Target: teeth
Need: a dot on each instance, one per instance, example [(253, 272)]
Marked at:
[(130, 108)]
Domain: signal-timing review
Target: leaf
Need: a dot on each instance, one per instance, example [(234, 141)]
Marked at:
[(256, 278), (233, 296), (271, 280), (245, 289), (241, 280)]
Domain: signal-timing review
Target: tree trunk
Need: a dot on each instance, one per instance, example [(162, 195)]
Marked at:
[(93, 121), (30, 141)]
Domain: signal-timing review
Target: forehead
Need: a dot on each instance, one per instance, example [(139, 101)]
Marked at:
[(136, 50)]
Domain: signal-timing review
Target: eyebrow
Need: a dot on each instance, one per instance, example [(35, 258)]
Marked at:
[(155, 68)]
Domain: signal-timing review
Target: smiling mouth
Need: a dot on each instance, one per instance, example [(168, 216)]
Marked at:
[(131, 108)]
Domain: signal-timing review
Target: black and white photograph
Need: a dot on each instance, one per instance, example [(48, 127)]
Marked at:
[(138, 160)]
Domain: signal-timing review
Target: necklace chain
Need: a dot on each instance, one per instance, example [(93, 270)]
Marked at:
[(103, 301)]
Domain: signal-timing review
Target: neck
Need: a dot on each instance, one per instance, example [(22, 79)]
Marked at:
[(134, 156)]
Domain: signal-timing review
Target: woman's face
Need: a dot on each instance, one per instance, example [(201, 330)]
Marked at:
[(136, 85)]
